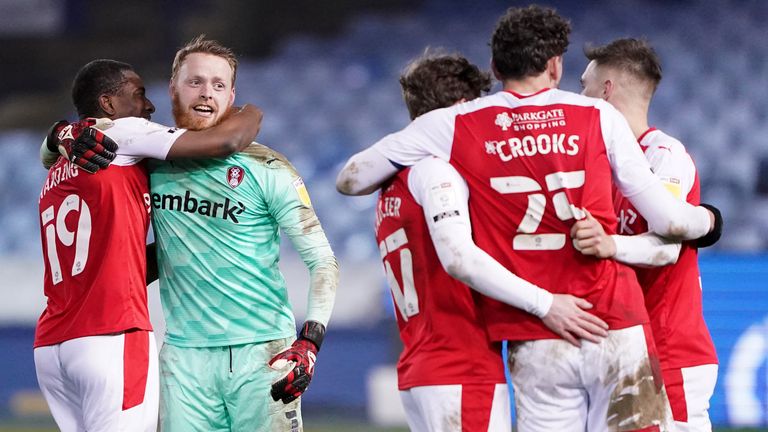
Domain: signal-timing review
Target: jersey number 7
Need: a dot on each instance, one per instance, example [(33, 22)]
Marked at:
[(54, 223)]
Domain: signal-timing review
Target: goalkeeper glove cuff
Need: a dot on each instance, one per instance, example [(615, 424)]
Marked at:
[(314, 332)]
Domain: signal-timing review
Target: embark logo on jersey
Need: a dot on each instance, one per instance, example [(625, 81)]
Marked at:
[(227, 210), (235, 175), (528, 121)]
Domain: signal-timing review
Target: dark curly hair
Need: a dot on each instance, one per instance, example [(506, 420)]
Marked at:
[(437, 80), (633, 56), (99, 77), (525, 39)]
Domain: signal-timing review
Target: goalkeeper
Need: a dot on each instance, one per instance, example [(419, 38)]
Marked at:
[(231, 359)]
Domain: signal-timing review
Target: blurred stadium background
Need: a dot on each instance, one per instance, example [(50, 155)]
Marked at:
[(325, 74)]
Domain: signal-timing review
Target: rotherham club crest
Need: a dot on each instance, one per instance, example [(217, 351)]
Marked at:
[(235, 176)]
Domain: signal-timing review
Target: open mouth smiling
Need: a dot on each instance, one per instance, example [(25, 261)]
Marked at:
[(203, 110)]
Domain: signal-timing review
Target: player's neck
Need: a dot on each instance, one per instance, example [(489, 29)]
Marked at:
[(637, 117), (530, 85)]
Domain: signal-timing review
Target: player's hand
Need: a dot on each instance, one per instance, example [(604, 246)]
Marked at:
[(83, 144), (569, 319), (589, 238), (301, 356)]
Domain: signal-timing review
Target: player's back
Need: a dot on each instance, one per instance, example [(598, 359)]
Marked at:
[(673, 295), (531, 163), (443, 335), (94, 230)]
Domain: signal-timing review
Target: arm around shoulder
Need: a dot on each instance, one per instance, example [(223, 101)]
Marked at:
[(230, 136), (364, 172)]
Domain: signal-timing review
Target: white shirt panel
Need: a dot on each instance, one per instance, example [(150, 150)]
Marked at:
[(670, 162), (138, 138), (440, 190)]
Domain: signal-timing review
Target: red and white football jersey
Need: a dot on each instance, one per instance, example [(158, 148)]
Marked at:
[(531, 163), (672, 293), (443, 334), (93, 231)]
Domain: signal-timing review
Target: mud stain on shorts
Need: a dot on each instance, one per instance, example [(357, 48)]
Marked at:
[(635, 402)]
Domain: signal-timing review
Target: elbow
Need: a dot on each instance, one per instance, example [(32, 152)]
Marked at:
[(347, 184), (228, 148), (664, 258), (457, 270), (234, 144)]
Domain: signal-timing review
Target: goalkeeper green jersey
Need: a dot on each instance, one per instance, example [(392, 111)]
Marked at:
[(216, 225)]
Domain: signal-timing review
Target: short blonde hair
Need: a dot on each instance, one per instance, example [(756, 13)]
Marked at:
[(206, 46)]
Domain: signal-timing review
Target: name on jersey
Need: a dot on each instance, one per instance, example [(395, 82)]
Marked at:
[(530, 145), (62, 172), (529, 121), (387, 207), (228, 210)]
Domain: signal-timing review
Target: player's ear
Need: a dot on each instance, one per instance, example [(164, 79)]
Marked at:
[(232, 97), (105, 104), (555, 69), (608, 88)]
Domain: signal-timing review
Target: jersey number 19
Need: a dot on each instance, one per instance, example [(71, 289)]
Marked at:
[(54, 225)]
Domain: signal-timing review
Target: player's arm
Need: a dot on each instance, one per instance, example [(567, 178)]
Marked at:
[(429, 135), (230, 136), (93, 144), (364, 172), (632, 174), (444, 197), (289, 203), (677, 173), (644, 250)]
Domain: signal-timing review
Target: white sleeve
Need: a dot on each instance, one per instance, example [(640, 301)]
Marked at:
[(674, 167), (444, 196), (364, 172), (138, 138), (429, 135), (632, 174), (646, 250)]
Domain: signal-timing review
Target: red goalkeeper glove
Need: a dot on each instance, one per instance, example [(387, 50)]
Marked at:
[(303, 354), (81, 144)]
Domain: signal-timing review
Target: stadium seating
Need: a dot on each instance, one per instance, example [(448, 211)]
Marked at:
[(327, 98)]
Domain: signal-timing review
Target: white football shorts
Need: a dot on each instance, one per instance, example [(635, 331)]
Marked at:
[(101, 383), (689, 390), (457, 408), (609, 386)]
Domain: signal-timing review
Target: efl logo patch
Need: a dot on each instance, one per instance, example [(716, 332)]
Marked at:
[(235, 176), (302, 191)]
